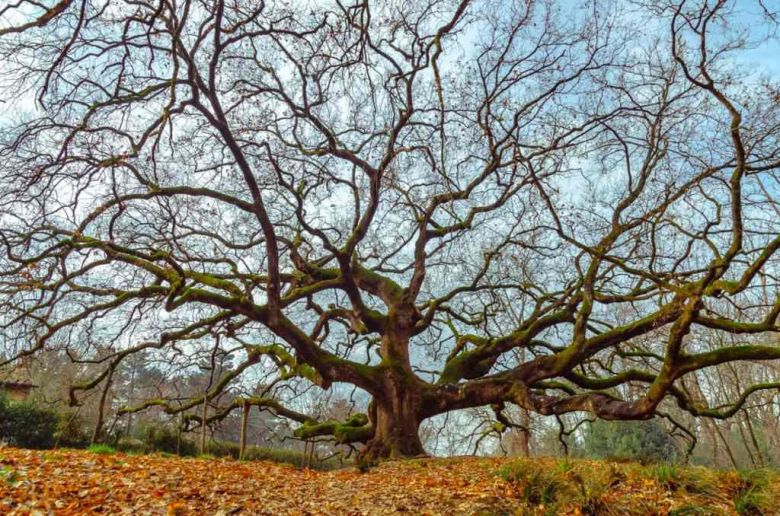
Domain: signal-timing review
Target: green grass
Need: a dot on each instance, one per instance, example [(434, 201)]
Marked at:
[(9, 475), (752, 494), (668, 475), (101, 449), (536, 486)]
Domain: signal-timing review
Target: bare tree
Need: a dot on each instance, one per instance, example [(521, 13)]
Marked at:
[(447, 204)]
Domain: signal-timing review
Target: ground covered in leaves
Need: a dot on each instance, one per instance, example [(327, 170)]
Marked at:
[(79, 482)]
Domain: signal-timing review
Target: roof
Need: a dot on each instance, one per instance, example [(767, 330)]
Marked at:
[(15, 375)]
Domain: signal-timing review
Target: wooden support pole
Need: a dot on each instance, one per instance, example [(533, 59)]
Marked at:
[(178, 433), (203, 425), (244, 426)]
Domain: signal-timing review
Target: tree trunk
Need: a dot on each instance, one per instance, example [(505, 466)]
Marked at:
[(98, 430), (396, 410), (525, 433), (395, 415)]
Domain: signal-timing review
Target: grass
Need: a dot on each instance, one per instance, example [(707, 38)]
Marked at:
[(101, 449), (690, 510), (537, 486), (8, 475), (752, 493), (551, 486), (668, 475)]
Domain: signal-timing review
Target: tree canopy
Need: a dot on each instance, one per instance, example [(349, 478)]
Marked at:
[(446, 204)]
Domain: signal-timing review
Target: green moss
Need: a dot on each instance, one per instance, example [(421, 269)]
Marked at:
[(351, 434), (359, 419), (355, 429), (391, 290)]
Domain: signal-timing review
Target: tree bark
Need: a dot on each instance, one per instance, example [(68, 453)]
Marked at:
[(396, 410), (396, 415), (525, 433), (396, 432), (98, 429)]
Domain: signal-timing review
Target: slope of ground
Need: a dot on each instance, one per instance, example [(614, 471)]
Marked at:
[(79, 482)]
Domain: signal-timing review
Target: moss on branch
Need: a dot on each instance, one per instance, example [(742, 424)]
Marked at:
[(354, 429)]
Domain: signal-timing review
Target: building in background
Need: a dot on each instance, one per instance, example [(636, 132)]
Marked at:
[(15, 382)]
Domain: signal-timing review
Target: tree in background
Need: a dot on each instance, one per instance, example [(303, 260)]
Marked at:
[(443, 204), (642, 440)]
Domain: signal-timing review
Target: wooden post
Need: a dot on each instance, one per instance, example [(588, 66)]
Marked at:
[(244, 425), (178, 434), (203, 425)]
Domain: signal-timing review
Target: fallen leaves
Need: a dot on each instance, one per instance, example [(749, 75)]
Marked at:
[(78, 482)]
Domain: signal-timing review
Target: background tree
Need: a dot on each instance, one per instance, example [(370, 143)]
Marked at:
[(444, 204)]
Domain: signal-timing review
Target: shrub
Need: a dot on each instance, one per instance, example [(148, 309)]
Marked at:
[(223, 449), (645, 441), (131, 445), (162, 438), (71, 431), (26, 425)]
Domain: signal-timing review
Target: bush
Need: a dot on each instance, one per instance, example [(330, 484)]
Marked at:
[(165, 439), (71, 431), (223, 449), (645, 441), (130, 445), (27, 426)]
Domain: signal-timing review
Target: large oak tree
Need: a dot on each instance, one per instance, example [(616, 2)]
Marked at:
[(447, 204)]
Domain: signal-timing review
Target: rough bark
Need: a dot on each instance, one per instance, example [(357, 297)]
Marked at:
[(396, 421), (396, 410)]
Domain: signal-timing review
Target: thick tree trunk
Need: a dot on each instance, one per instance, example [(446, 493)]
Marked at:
[(396, 410), (520, 444), (396, 416), (396, 430)]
